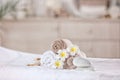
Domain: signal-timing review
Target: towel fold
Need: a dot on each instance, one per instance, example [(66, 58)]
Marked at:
[(60, 44), (69, 63)]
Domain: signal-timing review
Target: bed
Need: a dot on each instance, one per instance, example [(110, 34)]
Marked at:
[(13, 66)]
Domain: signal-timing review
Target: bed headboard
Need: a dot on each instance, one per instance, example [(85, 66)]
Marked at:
[(99, 39)]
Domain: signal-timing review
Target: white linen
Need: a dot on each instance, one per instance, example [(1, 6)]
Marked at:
[(11, 57), (13, 67)]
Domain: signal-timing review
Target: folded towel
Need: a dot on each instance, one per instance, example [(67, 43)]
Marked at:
[(69, 63), (60, 44)]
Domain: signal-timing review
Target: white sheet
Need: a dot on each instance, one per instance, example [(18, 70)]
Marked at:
[(13, 67)]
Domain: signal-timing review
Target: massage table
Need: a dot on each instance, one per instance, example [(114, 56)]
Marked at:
[(13, 66)]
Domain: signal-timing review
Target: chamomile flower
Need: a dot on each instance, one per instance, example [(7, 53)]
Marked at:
[(63, 54), (58, 64), (73, 50)]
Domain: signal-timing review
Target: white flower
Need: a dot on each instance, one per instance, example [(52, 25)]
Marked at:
[(73, 50), (62, 54), (47, 59), (58, 64)]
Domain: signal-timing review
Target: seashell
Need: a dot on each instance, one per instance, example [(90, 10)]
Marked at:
[(81, 62)]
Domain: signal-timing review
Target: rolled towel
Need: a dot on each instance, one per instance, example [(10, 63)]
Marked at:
[(68, 42), (47, 59), (60, 44), (82, 54), (69, 63)]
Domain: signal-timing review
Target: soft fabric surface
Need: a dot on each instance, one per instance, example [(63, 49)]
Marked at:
[(13, 67)]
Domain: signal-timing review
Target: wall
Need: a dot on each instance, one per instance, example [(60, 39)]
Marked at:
[(97, 38)]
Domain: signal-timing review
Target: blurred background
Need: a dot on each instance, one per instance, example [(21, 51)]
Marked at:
[(32, 25)]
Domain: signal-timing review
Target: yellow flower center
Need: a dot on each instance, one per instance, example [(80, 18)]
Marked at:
[(57, 64), (73, 49), (63, 54)]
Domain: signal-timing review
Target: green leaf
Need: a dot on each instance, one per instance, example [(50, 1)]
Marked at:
[(8, 7)]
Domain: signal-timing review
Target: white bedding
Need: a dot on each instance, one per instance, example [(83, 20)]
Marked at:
[(13, 67)]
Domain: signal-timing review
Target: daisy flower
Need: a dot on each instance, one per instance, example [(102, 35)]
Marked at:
[(63, 54), (58, 64), (73, 50)]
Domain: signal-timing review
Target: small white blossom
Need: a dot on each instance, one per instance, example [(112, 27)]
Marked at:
[(73, 50), (63, 54), (58, 64)]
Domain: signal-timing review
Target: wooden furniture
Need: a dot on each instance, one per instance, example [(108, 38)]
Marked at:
[(94, 2), (97, 38)]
